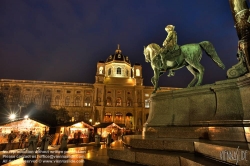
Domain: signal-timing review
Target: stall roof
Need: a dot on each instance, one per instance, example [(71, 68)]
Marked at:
[(75, 122), (19, 119), (7, 120), (104, 125)]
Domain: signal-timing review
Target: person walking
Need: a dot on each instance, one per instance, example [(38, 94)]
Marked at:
[(79, 137), (75, 137), (22, 140), (11, 138)]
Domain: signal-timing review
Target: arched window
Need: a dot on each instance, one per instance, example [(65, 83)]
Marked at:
[(77, 101), (15, 98), (118, 117), (76, 116), (5, 97), (26, 99), (57, 100), (108, 117), (119, 101), (119, 70), (47, 100), (137, 72), (87, 102), (109, 101), (67, 101), (37, 99), (109, 71), (86, 116), (129, 102), (129, 120), (101, 70)]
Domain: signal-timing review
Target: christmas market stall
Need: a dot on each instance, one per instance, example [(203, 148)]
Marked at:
[(116, 130), (76, 131), (18, 127)]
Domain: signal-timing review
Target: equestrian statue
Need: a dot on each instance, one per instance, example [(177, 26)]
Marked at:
[(173, 57)]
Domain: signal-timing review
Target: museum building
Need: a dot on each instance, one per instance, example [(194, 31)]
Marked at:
[(118, 94)]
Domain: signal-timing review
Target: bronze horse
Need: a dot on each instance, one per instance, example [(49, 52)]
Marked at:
[(190, 56)]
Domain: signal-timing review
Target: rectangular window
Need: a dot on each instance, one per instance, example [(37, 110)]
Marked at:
[(58, 91), (78, 91), (146, 103), (68, 91), (67, 102)]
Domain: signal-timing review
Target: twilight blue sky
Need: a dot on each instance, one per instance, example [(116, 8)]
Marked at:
[(62, 40)]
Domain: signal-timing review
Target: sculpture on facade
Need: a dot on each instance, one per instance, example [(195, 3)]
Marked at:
[(188, 55)]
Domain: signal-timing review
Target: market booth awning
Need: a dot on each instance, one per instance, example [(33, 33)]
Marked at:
[(77, 124), (104, 129), (111, 124)]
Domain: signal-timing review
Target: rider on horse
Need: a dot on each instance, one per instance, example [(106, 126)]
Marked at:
[(169, 43)]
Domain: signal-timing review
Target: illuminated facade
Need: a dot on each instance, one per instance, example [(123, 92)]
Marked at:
[(118, 94)]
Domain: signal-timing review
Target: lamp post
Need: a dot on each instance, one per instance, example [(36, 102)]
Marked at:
[(20, 105), (90, 120)]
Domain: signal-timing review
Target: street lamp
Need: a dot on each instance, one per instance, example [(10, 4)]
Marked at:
[(12, 116), (90, 120), (26, 117)]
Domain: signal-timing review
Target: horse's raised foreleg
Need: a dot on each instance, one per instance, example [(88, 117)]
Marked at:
[(190, 68)]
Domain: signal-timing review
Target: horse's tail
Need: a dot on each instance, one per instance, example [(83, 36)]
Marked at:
[(209, 49)]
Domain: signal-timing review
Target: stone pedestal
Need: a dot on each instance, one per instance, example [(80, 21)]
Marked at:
[(187, 125), (214, 112)]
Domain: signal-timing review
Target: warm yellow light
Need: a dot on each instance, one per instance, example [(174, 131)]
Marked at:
[(12, 116), (78, 125)]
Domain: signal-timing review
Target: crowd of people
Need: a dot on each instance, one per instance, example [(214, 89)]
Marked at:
[(22, 138)]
